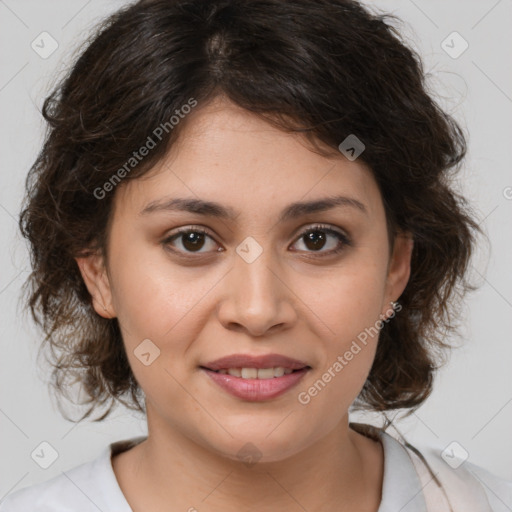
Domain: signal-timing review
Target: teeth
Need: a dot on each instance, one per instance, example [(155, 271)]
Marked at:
[(256, 373), (249, 373)]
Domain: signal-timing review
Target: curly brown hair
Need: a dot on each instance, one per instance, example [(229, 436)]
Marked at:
[(324, 68)]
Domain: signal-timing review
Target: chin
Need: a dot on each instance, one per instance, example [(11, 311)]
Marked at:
[(259, 446)]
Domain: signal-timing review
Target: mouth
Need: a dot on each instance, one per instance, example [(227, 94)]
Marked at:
[(255, 378), (257, 373), (255, 384)]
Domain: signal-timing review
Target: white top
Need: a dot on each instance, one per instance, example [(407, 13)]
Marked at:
[(408, 485)]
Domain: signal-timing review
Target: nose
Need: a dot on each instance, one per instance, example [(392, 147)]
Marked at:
[(256, 297)]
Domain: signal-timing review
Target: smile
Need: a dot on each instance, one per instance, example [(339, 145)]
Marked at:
[(256, 384)]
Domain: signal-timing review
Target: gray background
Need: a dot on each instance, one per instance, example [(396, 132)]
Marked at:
[(472, 401)]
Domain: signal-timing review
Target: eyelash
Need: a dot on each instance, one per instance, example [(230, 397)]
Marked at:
[(345, 241)]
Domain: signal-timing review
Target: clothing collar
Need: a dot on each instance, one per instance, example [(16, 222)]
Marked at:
[(401, 488)]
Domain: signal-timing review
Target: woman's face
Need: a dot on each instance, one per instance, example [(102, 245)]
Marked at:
[(254, 284)]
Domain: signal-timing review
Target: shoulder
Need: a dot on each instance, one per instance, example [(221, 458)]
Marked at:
[(449, 477), (60, 493), (435, 478), (89, 487)]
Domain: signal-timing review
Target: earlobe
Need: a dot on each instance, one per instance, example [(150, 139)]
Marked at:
[(96, 280)]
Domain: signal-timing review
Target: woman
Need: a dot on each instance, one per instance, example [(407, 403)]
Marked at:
[(241, 225)]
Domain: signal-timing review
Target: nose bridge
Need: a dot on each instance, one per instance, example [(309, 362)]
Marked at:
[(256, 282), (255, 295)]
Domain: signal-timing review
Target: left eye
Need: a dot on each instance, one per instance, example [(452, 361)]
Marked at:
[(192, 240), (316, 237)]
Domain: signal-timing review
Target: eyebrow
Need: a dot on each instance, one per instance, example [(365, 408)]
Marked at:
[(212, 209)]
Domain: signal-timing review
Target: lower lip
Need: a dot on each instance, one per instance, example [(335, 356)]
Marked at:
[(256, 390)]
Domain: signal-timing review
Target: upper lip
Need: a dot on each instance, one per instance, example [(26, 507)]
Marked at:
[(248, 361)]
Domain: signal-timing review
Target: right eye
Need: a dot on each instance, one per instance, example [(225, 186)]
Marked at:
[(191, 240)]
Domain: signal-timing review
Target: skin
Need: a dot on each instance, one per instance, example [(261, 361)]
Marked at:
[(286, 301)]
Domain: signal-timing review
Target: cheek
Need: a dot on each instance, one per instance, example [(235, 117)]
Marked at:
[(348, 305), (348, 352), (157, 300), (348, 300)]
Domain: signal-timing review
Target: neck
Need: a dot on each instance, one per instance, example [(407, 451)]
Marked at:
[(341, 471)]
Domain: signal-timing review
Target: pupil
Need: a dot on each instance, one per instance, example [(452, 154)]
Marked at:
[(196, 241), (317, 239)]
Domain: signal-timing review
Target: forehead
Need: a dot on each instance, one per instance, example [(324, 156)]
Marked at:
[(231, 156)]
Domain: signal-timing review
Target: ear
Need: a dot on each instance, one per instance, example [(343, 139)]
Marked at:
[(94, 274), (399, 269)]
